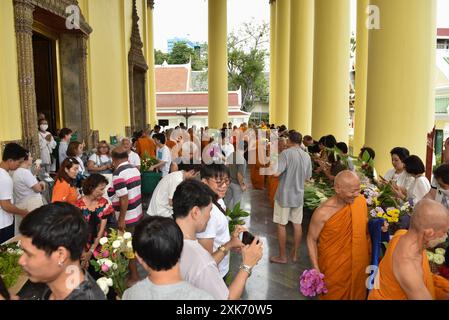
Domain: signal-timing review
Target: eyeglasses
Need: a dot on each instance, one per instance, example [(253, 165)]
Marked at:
[(221, 183)]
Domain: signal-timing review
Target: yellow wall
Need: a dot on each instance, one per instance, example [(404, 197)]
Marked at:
[(10, 116), (108, 67)]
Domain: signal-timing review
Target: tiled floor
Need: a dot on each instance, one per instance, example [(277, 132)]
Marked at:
[(269, 281)]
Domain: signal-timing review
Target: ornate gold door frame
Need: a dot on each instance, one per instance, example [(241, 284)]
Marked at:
[(24, 17), (136, 60)]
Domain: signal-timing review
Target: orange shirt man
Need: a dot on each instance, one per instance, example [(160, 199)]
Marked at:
[(338, 240), (404, 272)]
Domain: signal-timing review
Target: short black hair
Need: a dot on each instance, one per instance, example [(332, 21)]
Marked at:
[(159, 242), (328, 141), (55, 225), (343, 147), (189, 194), (14, 151), (160, 137), (189, 165), (295, 137), (92, 182), (442, 172), (64, 132), (414, 165), (370, 151), (157, 127), (401, 152), (214, 170)]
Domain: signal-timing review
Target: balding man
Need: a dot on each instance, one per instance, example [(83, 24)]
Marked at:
[(338, 240), (404, 272), (133, 158)]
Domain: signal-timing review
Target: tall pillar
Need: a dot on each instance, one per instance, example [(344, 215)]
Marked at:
[(301, 66), (361, 70), (152, 110), (282, 59), (23, 16), (272, 98), (331, 69), (218, 63), (401, 82)]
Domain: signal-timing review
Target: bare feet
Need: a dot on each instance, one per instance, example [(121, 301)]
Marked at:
[(294, 256), (278, 260)]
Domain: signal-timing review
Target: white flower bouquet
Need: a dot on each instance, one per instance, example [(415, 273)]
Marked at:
[(112, 261)]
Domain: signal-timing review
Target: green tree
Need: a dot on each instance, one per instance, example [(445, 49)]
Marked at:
[(182, 54), (160, 57), (247, 52)]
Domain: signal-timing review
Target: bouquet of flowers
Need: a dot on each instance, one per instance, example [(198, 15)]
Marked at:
[(315, 193), (147, 162), (112, 261), (436, 259), (235, 217), (10, 270), (312, 283)]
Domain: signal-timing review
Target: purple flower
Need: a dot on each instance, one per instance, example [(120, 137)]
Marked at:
[(312, 283)]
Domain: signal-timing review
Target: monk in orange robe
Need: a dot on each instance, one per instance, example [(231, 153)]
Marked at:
[(257, 180), (339, 242), (404, 272), (146, 145)]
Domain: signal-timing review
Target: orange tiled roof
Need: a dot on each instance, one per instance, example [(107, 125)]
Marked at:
[(172, 79)]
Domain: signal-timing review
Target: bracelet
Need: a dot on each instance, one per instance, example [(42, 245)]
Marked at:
[(246, 268), (223, 249)]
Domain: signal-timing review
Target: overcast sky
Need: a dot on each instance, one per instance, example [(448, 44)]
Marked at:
[(188, 18)]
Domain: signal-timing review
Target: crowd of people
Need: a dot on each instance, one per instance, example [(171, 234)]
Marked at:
[(183, 240)]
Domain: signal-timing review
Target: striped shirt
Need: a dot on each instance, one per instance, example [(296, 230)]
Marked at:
[(126, 181)]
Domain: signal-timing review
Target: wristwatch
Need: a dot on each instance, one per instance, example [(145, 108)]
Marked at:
[(223, 249), (246, 268)]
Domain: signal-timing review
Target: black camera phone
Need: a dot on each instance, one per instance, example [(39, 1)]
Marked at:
[(247, 238)]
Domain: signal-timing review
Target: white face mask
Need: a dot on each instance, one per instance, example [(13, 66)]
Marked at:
[(43, 127)]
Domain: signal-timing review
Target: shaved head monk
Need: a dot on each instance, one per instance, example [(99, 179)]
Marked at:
[(338, 240), (404, 272)]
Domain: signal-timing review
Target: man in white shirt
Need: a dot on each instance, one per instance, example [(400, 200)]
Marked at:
[(162, 199), (133, 158), (157, 237), (13, 156), (192, 205), (162, 154)]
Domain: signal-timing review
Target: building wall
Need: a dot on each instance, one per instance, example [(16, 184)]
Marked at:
[(109, 45), (10, 116)]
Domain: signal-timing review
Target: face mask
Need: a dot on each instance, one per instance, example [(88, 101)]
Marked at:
[(43, 127), (445, 192), (433, 243)]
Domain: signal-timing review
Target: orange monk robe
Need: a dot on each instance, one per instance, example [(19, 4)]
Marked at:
[(257, 180), (146, 145), (272, 186), (344, 252), (170, 144), (388, 287)]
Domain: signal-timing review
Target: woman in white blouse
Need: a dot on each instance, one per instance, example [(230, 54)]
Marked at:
[(100, 161), (27, 190), (398, 176), (421, 185)]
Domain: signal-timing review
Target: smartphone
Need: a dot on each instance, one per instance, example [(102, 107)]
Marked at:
[(247, 238)]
